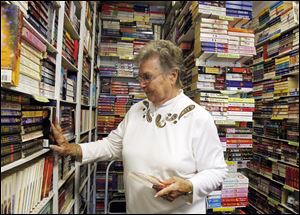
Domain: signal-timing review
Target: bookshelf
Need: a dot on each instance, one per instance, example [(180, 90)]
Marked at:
[(274, 170), (212, 37), (59, 88)]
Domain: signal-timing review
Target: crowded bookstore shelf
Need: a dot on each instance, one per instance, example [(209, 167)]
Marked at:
[(46, 78), (74, 60)]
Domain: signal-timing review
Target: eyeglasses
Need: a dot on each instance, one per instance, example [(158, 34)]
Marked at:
[(147, 78)]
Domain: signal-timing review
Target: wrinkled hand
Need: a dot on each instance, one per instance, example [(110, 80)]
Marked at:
[(63, 147), (173, 188)]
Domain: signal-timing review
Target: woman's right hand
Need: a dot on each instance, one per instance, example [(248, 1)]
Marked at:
[(63, 147)]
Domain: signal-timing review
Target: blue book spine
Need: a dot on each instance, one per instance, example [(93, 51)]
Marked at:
[(246, 84), (238, 7)]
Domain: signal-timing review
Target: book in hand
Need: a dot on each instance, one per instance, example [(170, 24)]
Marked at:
[(48, 117), (147, 180)]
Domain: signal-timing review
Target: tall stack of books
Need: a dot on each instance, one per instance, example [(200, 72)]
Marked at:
[(235, 190), (232, 193)]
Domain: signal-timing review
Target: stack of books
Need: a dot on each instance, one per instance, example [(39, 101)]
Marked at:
[(125, 12), (157, 14), (85, 92), (122, 105), (119, 87), (239, 79), (67, 121), (71, 88), (38, 16), (11, 127), (124, 68), (240, 9), (32, 129), (85, 120), (47, 85), (141, 13), (108, 47), (240, 109), (207, 8), (106, 104), (235, 190), (125, 50)]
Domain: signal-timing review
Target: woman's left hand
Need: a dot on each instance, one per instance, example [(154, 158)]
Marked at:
[(175, 187)]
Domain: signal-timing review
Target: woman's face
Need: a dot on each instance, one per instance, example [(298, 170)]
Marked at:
[(158, 85)]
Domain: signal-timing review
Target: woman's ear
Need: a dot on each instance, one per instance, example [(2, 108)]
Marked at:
[(173, 76)]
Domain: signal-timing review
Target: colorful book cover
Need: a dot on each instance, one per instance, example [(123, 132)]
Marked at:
[(11, 30)]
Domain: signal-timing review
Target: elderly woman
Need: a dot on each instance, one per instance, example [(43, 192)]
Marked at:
[(168, 136)]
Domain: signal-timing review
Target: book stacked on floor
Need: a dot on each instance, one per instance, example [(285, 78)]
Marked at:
[(232, 193)]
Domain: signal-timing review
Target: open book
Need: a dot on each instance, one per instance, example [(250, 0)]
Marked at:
[(147, 180)]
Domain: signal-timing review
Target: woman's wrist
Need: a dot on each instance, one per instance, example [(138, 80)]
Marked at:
[(78, 153)]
